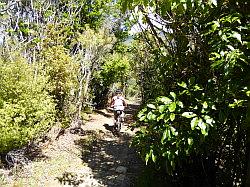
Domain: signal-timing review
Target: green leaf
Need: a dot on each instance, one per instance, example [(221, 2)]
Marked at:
[(145, 3), (172, 116), (169, 134), (224, 37), (182, 84), (248, 93), (205, 105), (194, 122), (151, 106), (231, 47), (151, 116), (141, 115), (214, 2), (209, 120), (172, 107), (188, 114), (189, 4), (236, 103), (162, 108), (142, 118), (148, 155), (215, 25), (192, 80), (172, 163), (180, 104), (166, 118), (196, 87), (160, 117), (173, 95), (237, 36), (202, 126), (154, 157), (125, 6), (165, 100), (173, 131), (164, 136), (214, 56), (190, 141)]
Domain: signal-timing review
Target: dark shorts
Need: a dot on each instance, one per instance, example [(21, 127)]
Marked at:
[(118, 112)]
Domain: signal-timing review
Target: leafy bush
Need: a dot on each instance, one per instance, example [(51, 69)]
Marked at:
[(194, 126), (115, 69), (62, 80), (26, 110), (174, 130)]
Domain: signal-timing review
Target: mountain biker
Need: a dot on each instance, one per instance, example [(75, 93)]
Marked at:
[(118, 103)]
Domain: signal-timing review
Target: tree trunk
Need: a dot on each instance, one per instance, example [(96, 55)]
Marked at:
[(79, 102), (86, 87), (248, 145)]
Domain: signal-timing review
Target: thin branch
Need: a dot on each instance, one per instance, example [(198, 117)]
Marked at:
[(144, 35), (6, 9), (159, 39)]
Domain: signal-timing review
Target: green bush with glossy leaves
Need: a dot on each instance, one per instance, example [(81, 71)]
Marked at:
[(172, 129)]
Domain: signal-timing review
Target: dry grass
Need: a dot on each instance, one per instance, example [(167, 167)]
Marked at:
[(61, 156)]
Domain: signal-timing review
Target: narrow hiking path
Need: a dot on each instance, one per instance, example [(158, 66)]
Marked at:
[(91, 157)]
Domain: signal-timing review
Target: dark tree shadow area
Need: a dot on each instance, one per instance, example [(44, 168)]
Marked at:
[(34, 152), (112, 130), (132, 108), (108, 127), (104, 154), (25, 155), (103, 113)]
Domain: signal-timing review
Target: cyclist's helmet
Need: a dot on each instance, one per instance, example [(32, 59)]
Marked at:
[(118, 91)]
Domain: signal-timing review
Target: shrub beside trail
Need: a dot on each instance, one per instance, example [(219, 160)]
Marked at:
[(26, 109)]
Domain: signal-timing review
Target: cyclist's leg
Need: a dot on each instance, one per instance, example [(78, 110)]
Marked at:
[(119, 122), (115, 116), (122, 116)]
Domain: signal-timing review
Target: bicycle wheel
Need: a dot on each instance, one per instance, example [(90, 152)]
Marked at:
[(118, 124)]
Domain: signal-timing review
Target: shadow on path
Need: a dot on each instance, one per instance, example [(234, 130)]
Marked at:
[(112, 162), (108, 115), (107, 155), (112, 130), (108, 127), (104, 154)]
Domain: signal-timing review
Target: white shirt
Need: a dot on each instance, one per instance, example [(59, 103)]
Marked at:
[(118, 102)]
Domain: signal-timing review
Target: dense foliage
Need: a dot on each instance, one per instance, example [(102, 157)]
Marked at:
[(190, 59), (26, 109), (62, 43), (202, 47), (115, 69)]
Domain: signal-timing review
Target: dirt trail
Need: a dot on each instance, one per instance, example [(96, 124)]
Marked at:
[(92, 157)]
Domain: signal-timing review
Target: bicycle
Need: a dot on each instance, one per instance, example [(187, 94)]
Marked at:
[(118, 121)]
